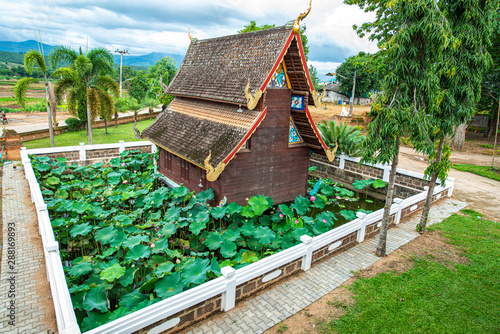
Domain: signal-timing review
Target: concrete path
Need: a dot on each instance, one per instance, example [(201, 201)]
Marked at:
[(260, 313), (25, 304)]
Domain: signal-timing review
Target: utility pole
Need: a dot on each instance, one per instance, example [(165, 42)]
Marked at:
[(121, 52), (352, 95)]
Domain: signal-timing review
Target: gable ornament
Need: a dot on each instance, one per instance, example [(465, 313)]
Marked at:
[(213, 173), (296, 24), (252, 100), (318, 98)]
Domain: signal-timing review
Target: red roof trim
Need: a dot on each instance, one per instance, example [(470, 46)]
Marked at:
[(278, 61), (304, 64), (249, 133), (315, 129)]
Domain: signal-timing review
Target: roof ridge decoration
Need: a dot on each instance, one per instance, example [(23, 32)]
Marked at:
[(213, 173), (252, 100), (296, 24)]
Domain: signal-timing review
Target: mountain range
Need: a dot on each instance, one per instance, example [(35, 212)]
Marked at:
[(128, 60)]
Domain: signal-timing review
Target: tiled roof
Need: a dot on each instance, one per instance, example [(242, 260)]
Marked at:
[(219, 68), (192, 128)]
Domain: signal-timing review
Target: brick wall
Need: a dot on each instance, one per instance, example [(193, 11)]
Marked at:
[(143, 149), (347, 242), (74, 155), (102, 153)]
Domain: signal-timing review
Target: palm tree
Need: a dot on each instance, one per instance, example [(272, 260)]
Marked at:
[(87, 80), (151, 103), (31, 59)]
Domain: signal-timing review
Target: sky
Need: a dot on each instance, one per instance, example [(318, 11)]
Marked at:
[(146, 26)]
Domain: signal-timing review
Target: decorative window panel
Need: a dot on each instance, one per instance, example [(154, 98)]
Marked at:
[(293, 135), (279, 79)]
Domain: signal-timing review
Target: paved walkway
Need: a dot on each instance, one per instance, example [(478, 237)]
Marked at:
[(258, 314), (25, 306)]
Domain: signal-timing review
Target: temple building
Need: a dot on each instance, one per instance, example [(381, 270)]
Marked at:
[(240, 122)]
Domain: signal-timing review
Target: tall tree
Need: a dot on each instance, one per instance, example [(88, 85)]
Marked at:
[(465, 59), (87, 80), (160, 75), (31, 59), (411, 35)]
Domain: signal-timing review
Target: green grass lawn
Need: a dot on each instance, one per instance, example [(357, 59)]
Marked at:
[(122, 132), (479, 170), (432, 298)]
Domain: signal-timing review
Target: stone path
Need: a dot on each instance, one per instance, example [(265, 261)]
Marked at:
[(25, 306), (260, 313)]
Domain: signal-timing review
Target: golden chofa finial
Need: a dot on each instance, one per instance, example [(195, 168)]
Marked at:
[(189, 34), (296, 24)]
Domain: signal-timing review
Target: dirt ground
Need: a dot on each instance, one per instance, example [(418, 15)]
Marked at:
[(314, 318), (33, 118), (36, 90)]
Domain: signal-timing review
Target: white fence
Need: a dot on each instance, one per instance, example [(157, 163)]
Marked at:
[(225, 286)]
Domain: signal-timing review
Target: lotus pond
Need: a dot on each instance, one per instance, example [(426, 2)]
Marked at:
[(127, 242)]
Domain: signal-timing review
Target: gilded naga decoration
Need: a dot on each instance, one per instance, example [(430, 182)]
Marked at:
[(330, 154), (189, 34), (252, 100), (318, 98), (213, 173), (296, 24)]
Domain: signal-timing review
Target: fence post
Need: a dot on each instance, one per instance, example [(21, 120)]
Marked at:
[(342, 161), (387, 172), (122, 146), (451, 183), (361, 232), (307, 258), (398, 202), (153, 148), (83, 153), (229, 296)]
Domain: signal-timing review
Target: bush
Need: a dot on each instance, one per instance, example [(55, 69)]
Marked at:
[(349, 140), (74, 124), (37, 107)]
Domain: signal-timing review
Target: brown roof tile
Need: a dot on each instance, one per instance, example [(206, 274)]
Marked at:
[(191, 128), (219, 68)]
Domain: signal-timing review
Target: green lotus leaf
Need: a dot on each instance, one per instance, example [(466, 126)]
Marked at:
[(228, 249), (168, 230), (145, 303), (328, 216), (108, 252), (81, 269), (43, 167), (138, 252), (135, 240), (254, 244), (327, 190), (359, 184), (203, 217), (57, 222), (94, 319), (319, 202), (247, 229), (265, 235), (249, 257), (117, 239), (205, 195), (113, 174), (128, 278), (301, 205), (95, 299), (76, 195), (43, 159), (298, 232), (180, 192), (81, 207), (164, 269), (233, 208), (348, 214), (378, 183), (169, 285), (60, 193), (288, 241), (197, 226), (97, 182), (148, 286), (53, 180), (47, 192), (213, 241), (160, 246), (173, 214), (112, 273), (247, 212), (319, 227), (218, 212), (81, 229), (107, 234), (258, 204), (131, 299), (118, 313), (126, 195), (285, 210), (215, 267), (196, 273), (231, 234)]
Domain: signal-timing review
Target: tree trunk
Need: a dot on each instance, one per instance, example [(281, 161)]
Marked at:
[(89, 121), (490, 129), (458, 141), (116, 119), (106, 125), (51, 129), (432, 184), (135, 116), (496, 136), (150, 113), (382, 241)]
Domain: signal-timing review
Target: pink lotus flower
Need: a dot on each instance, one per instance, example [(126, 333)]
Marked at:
[(281, 215), (338, 197), (246, 199), (296, 221), (153, 245), (125, 182), (135, 171), (324, 221), (123, 164), (177, 261), (313, 198)]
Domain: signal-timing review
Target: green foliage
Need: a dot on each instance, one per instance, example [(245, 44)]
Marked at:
[(252, 26), (139, 85), (369, 72), (437, 293), (350, 141), (74, 124), (131, 242), (11, 57)]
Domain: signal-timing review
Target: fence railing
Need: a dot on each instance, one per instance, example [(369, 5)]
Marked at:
[(164, 314)]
